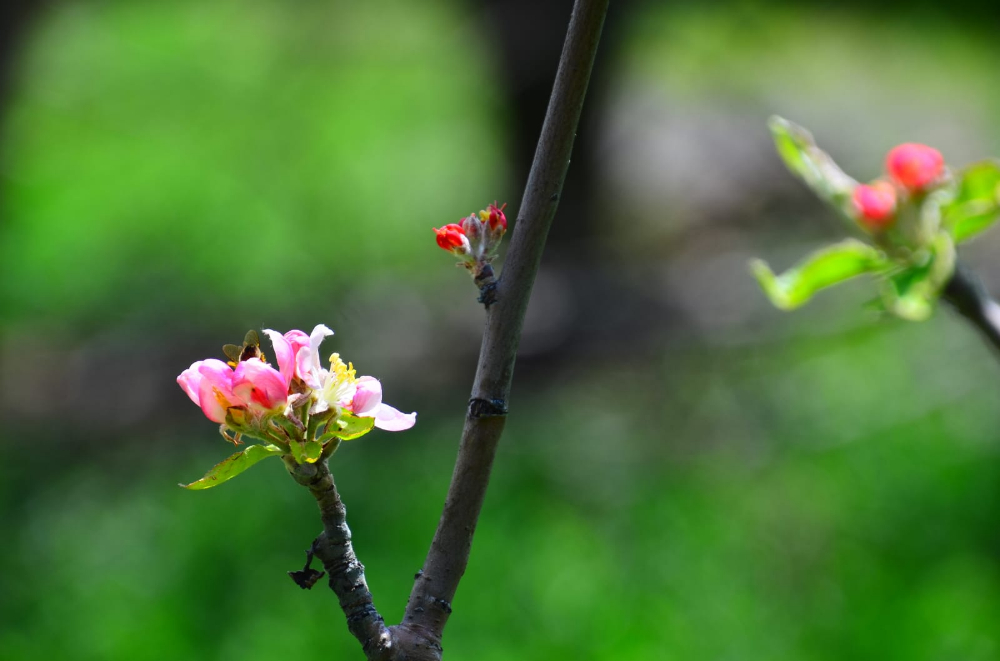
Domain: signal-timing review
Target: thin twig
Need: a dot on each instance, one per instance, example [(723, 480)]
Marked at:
[(430, 601), (967, 295)]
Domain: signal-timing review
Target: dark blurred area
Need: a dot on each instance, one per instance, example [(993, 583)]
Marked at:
[(686, 473)]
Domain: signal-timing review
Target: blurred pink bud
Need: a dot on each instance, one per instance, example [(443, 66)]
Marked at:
[(914, 166), (875, 204)]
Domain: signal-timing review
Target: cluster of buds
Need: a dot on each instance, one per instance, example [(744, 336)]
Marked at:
[(913, 169), (475, 240), (297, 406), (914, 217)]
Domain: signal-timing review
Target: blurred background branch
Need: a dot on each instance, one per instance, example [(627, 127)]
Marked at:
[(967, 295)]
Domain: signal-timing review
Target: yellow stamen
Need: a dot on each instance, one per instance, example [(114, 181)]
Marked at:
[(343, 372)]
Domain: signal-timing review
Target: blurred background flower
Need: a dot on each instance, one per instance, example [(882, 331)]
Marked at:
[(686, 473)]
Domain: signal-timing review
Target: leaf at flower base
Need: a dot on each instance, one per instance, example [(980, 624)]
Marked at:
[(977, 203), (824, 268), (234, 465), (350, 427), (912, 293), (814, 166), (907, 295), (312, 451)]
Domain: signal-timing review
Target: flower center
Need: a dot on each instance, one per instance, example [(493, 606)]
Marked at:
[(342, 384)]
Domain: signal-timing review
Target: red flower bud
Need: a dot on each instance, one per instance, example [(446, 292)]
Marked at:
[(451, 238), (875, 204), (914, 166), (495, 215)]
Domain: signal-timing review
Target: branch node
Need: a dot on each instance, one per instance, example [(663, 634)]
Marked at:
[(487, 408), (488, 294)]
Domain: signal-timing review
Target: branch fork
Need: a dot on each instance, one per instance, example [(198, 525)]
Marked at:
[(418, 636)]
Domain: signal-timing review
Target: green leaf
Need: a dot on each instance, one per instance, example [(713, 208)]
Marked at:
[(977, 203), (350, 427), (234, 465), (824, 268), (798, 150)]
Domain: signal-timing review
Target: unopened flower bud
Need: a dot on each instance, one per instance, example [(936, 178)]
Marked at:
[(476, 239), (452, 238), (494, 216), (875, 204), (474, 230), (914, 166)]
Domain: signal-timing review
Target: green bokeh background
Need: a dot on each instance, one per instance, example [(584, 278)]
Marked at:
[(685, 474)]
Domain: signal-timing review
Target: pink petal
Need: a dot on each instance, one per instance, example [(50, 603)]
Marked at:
[(256, 382), (367, 397), (307, 363), (190, 379), (297, 339), (284, 354), (390, 419), (215, 390)]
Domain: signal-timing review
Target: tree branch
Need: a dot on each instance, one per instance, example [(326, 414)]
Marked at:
[(430, 601), (967, 295), (333, 548), (418, 636)]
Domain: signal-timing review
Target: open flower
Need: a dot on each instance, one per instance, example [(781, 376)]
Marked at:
[(301, 409), (340, 388), (253, 386)]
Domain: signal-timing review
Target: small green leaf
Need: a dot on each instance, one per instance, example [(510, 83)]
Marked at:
[(977, 203), (298, 451), (826, 267), (814, 166), (350, 427), (234, 465), (312, 451)]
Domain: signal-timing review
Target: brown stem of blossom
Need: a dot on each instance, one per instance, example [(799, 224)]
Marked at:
[(969, 298), (333, 548), (430, 600)]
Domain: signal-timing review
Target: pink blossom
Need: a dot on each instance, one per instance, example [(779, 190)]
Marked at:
[(253, 385), (209, 384), (259, 385)]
